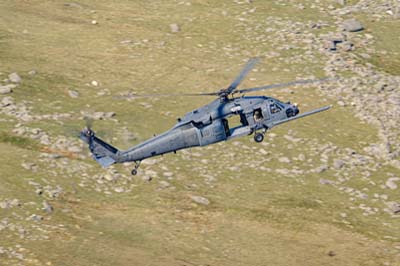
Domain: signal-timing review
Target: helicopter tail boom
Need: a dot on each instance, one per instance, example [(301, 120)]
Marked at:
[(102, 152)]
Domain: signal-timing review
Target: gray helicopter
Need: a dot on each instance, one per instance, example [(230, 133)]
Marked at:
[(208, 124)]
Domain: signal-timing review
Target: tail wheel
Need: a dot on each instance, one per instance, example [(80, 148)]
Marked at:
[(258, 137), (134, 172)]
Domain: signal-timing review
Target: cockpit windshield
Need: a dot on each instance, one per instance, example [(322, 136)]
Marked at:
[(275, 108)]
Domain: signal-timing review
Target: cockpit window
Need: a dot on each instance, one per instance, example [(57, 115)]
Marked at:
[(274, 108)]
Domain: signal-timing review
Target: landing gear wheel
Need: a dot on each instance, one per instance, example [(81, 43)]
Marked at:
[(134, 171), (258, 137)]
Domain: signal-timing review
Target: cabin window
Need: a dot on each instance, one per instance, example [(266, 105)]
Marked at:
[(198, 125), (274, 108)]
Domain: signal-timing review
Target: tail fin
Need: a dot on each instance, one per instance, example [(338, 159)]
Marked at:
[(102, 152)]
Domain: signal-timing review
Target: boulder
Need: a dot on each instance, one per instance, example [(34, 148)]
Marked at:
[(352, 25), (7, 88), (73, 94), (200, 200), (14, 77), (175, 28)]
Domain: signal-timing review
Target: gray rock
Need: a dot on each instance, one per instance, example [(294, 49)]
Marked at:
[(39, 191), (32, 72), (393, 206), (341, 103), (36, 218), (7, 101), (347, 46), (352, 25), (390, 183), (73, 94), (200, 200), (330, 45), (321, 169), (338, 164), (119, 189), (326, 182), (7, 204), (14, 77), (164, 184), (47, 207), (7, 88), (4, 205), (175, 28), (284, 160)]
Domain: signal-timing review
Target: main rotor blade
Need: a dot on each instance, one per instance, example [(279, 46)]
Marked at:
[(249, 66), (287, 84), (155, 95)]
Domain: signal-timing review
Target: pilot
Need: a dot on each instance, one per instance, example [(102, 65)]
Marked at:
[(257, 115), (274, 109)]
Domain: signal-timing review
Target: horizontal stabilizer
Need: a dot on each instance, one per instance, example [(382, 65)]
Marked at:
[(105, 161)]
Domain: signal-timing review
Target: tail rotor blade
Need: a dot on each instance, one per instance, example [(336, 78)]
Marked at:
[(88, 122)]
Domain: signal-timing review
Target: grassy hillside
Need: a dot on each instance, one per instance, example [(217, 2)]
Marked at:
[(315, 192)]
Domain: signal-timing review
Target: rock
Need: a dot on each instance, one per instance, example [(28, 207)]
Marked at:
[(14, 77), (331, 253), (347, 46), (175, 28), (94, 22), (73, 94), (7, 204), (29, 166), (32, 72), (284, 160), (47, 207), (4, 205), (321, 169), (352, 25), (7, 88), (326, 182), (94, 83), (109, 114), (119, 189), (390, 183), (341, 2), (393, 206), (341, 103), (164, 184), (39, 191), (7, 101), (200, 200), (109, 177), (147, 178), (338, 164), (36, 218)]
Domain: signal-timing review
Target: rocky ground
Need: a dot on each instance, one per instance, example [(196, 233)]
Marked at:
[(324, 190)]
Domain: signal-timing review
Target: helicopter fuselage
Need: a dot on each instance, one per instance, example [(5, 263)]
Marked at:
[(209, 124)]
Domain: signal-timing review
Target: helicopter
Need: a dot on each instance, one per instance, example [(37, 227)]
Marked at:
[(209, 123)]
